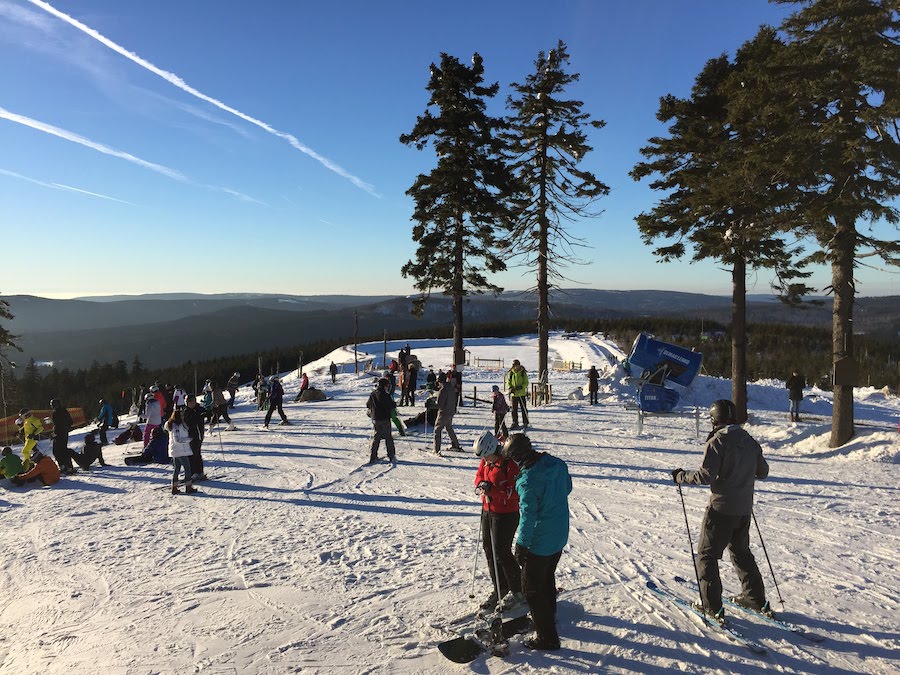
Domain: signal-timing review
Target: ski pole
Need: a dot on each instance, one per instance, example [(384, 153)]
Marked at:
[(221, 448), (475, 563), (693, 559), (774, 580)]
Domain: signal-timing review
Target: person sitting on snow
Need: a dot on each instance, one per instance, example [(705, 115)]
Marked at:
[(44, 470), (156, 452), (91, 452), (10, 463)]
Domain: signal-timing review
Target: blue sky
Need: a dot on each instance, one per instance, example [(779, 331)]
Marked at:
[(253, 147)]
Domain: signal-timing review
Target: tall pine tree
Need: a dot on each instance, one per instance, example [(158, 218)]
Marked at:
[(547, 142), (722, 201), (839, 93), (462, 207)]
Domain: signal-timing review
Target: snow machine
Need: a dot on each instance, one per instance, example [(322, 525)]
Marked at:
[(660, 363)]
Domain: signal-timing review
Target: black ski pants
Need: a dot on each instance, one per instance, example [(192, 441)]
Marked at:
[(503, 526), (517, 402), (718, 532), (539, 585), (381, 429), (196, 459), (61, 451), (272, 407)]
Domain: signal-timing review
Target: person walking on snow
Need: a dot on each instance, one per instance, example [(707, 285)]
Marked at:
[(333, 370), (232, 386), (731, 464), (795, 384), (62, 425), (593, 384), (219, 408), (517, 386), (380, 406), (499, 407), (446, 405), (180, 451), (32, 428), (154, 417), (495, 481), (105, 419), (276, 398), (543, 485)]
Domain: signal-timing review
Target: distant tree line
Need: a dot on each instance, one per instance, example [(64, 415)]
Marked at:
[(773, 351)]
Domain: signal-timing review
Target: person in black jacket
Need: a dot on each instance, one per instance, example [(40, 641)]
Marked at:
[(380, 405), (731, 464), (91, 453), (795, 384), (593, 384), (194, 418), (62, 425)]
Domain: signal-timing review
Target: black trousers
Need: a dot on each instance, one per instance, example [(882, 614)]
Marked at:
[(381, 430), (61, 451), (593, 393), (217, 412), (196, 459), (539, 585), (718, 532), (519, 401), (504, 527), (272, 406)]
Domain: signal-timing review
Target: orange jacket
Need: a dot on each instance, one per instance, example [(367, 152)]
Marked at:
[(45, 469)]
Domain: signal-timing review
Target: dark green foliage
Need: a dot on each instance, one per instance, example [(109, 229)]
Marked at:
[(839, 103), (547, 141), (462, 206)]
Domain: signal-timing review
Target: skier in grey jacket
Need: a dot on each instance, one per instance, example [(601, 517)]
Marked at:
[(731, 464)]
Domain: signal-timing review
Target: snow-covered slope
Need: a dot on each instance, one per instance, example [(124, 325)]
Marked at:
[(298, 558)]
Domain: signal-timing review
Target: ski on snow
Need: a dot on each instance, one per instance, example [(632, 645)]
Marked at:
[(771, 620), (727, 629)]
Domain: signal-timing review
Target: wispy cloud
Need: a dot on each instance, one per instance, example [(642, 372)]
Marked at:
[(175, 80), (106, 150), (60, 186), (99, 147)]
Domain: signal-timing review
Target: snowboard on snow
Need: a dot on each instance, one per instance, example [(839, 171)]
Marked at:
[(467, 648)]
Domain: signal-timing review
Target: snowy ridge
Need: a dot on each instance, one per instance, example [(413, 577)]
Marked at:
[(298, 557)]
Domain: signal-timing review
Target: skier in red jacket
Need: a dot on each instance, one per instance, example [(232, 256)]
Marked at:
[(495, 480)]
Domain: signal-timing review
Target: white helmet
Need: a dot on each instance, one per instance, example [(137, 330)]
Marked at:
[(485, 445)]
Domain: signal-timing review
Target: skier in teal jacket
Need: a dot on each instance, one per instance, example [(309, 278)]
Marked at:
[(543, 485)]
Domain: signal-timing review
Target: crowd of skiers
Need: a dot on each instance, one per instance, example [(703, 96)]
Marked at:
[(524, 493)]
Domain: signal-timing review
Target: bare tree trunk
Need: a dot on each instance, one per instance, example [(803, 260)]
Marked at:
[(739, 338), (843, 252), (543, 288), (459, 354)]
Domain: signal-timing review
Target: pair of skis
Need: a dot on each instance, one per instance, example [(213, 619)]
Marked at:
[(725, 627)]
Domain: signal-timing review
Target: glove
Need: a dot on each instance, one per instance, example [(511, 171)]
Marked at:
[(483, 486), (521, 554), (677, 475)]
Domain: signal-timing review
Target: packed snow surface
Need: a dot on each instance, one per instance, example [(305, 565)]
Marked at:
[(297, 557)]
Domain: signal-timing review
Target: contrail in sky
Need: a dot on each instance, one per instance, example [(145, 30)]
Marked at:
[(60, 186), (172, 78), (99, 147), (106, 150)]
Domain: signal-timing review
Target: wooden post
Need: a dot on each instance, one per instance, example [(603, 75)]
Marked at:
[(355, 341)]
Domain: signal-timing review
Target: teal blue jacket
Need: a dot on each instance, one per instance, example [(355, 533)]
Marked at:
[(544, 489)]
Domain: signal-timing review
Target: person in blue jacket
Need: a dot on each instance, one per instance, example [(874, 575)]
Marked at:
[(105, 419), (543, 485)]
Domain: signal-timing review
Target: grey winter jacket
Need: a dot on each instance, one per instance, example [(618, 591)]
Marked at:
[(731, 464)]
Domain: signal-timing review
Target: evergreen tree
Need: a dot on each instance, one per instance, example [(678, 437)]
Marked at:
[(137, 368), (721, 199), (546, 143), (839, 90), (463, 205)]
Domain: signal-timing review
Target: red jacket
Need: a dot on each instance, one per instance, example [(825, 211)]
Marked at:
[(502, 494)]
